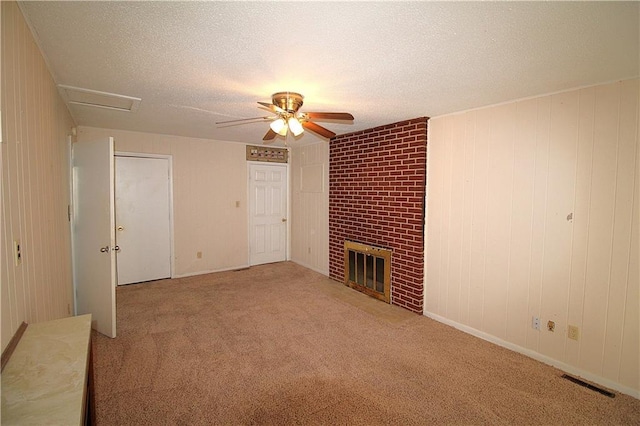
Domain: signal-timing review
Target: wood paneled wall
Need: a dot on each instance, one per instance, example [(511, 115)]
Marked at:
[(209, 196), (35, 183), (533, 210), (310, 206)]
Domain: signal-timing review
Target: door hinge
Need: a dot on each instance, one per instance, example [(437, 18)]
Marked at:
[(69, 212)]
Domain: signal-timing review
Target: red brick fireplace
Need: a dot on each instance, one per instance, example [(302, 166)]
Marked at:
[(377, 183)]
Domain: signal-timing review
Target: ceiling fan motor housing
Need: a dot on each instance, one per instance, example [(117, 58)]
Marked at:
[(285, 106), (288, 101)]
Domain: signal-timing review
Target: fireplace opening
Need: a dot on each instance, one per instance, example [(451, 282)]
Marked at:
[(368, 269)]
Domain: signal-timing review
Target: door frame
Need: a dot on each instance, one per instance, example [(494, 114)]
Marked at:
[(287, 254), (169, 159), (70, 210)]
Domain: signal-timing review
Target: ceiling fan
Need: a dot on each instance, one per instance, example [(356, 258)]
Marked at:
[(285, 106)]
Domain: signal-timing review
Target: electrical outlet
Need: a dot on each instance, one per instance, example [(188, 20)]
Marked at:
[(17, 253), (573, 332), (551, 326), (535, 323)]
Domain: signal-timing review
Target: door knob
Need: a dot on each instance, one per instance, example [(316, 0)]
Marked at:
[(116, 248), (105, 249), (284, 219), (120, 228)]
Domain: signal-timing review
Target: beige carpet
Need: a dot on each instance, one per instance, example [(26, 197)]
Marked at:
[(280, 344)]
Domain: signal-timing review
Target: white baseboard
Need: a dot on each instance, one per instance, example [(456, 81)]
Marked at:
[(325, 273), (574, 371), (210, 271)]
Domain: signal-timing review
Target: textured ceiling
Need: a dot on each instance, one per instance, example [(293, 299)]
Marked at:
[(195, 63)]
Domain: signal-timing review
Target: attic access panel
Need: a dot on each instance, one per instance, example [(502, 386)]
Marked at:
[(94, 98)]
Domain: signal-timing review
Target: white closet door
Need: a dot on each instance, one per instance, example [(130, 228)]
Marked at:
[(143, 224), (93, 236)]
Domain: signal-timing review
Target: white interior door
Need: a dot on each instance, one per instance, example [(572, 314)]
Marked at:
[(267, 213), (93, 233), (143, 219)]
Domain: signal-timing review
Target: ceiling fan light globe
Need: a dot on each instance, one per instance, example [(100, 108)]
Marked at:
[(278, 125), (295, 126)]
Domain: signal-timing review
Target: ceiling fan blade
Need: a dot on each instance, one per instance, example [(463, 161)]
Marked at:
[(272, 107), (270, 135), (309, 125), (242, 119), (329, 115)]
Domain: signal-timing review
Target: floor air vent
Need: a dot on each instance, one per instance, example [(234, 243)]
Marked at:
[(589, 386)]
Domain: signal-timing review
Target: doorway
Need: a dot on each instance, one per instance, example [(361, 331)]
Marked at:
[(268, 189), (143, 217)]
